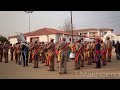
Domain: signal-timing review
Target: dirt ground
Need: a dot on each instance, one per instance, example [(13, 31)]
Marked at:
[(13, 71)]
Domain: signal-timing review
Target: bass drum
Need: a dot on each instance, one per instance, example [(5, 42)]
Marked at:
[(72, 55)]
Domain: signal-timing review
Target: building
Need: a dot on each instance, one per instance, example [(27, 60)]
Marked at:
[(44, 35), (93, 33)]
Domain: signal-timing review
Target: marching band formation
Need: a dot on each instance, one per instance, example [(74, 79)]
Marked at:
[(90, 52)]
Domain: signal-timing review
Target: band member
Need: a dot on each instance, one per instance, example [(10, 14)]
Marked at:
[(93, 52), (82, 55), (15, 52), (30, 53), (43, 47), (117, 50), (5, 51), (18, 53), (11, 51), (56, 52), (88, 53), (51, 54), (103, 52), (85, 51), (1, 52), (109, 49), (97, 48), (62, 56), (46, 54), (36, 53), (78, 57), (24, 48)]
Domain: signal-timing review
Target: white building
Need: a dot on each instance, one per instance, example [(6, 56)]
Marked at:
[(44, 35), (93, 32)]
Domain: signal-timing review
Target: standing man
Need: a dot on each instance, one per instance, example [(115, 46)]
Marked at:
[(11, 51), (36, 53), (62, 55), (1, 52), (98, 46), (103, 52), (117, 50), (43, 47), (78, 54), (18, 53), (51, 54), (88, 54), (109, 49), (5, 51), (15, 52), (93, 51), (30, 52), (24, 52)]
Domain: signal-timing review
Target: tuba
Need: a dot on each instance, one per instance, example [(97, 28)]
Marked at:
[(21, 37)]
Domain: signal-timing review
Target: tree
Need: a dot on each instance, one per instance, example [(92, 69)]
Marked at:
[(67, 25), (3, 39)]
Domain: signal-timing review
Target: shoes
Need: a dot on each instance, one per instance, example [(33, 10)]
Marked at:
[(60, 72), (82, 65), (51, 70), (76, 68), (64, 73), (46, 65), (89, 64), (103, 64)]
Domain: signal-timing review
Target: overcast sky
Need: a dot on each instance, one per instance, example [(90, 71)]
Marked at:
[(18, 21)]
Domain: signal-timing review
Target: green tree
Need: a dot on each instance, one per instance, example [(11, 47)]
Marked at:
[(3, 39)]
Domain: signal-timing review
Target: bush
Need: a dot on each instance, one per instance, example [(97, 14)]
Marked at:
[(3, 39)]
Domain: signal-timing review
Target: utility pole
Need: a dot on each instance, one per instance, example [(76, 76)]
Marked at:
[(71, 25), (29, 12)]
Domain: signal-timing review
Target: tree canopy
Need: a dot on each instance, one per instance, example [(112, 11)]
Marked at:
[(3, 39)]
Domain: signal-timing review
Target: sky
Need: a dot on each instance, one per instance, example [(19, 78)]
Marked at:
[(12, 22)]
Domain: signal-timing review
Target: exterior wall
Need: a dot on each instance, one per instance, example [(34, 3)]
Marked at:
[(97, 33), (13, 40), (52, 36), (118, 38), (43, 38), (28, 38), (68, 38)]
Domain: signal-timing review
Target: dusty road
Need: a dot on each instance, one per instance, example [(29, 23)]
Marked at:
[(13, 71)]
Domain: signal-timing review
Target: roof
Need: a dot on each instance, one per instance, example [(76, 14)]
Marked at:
[(43, 31), (93, 29)]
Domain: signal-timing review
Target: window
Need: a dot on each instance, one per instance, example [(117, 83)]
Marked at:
[(69, 39), (60, 39), (105, 33), (80, 34)]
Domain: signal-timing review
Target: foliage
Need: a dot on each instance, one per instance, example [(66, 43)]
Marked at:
[(3, 39)]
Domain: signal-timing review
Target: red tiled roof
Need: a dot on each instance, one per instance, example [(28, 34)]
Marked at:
[(43, 31)]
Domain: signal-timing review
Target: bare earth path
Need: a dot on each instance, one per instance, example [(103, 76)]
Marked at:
[(13, 71)]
